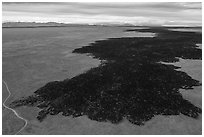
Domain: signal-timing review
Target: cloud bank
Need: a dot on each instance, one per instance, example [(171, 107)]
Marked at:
[(147, 13)]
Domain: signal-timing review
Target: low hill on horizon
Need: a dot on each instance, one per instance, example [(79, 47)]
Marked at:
[(55, 24)]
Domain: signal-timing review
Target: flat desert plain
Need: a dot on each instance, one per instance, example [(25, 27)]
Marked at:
[(33, 57)]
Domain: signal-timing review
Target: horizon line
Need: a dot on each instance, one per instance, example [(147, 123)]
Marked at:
[(102, 23)]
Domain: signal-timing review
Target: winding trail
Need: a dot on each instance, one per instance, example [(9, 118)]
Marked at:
[(26, 122)]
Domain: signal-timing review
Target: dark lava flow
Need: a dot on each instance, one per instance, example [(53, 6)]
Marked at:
[(130, 82)]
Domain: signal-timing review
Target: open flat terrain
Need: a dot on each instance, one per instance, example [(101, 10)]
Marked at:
[(33, 57)]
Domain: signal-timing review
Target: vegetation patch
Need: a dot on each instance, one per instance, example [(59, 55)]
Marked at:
[(130, 82)]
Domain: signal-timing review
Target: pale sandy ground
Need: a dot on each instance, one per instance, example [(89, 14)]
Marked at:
[(29, 64), (10, 122)]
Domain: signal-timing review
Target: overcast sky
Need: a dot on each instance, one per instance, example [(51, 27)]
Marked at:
[(147, 13)]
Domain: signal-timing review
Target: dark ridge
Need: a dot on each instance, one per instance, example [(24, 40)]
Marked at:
[(130, 83)]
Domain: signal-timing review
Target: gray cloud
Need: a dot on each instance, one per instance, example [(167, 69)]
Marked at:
[(160, 12)]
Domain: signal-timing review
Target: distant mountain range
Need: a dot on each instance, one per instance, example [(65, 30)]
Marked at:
[(32, 24), (55, 24)]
